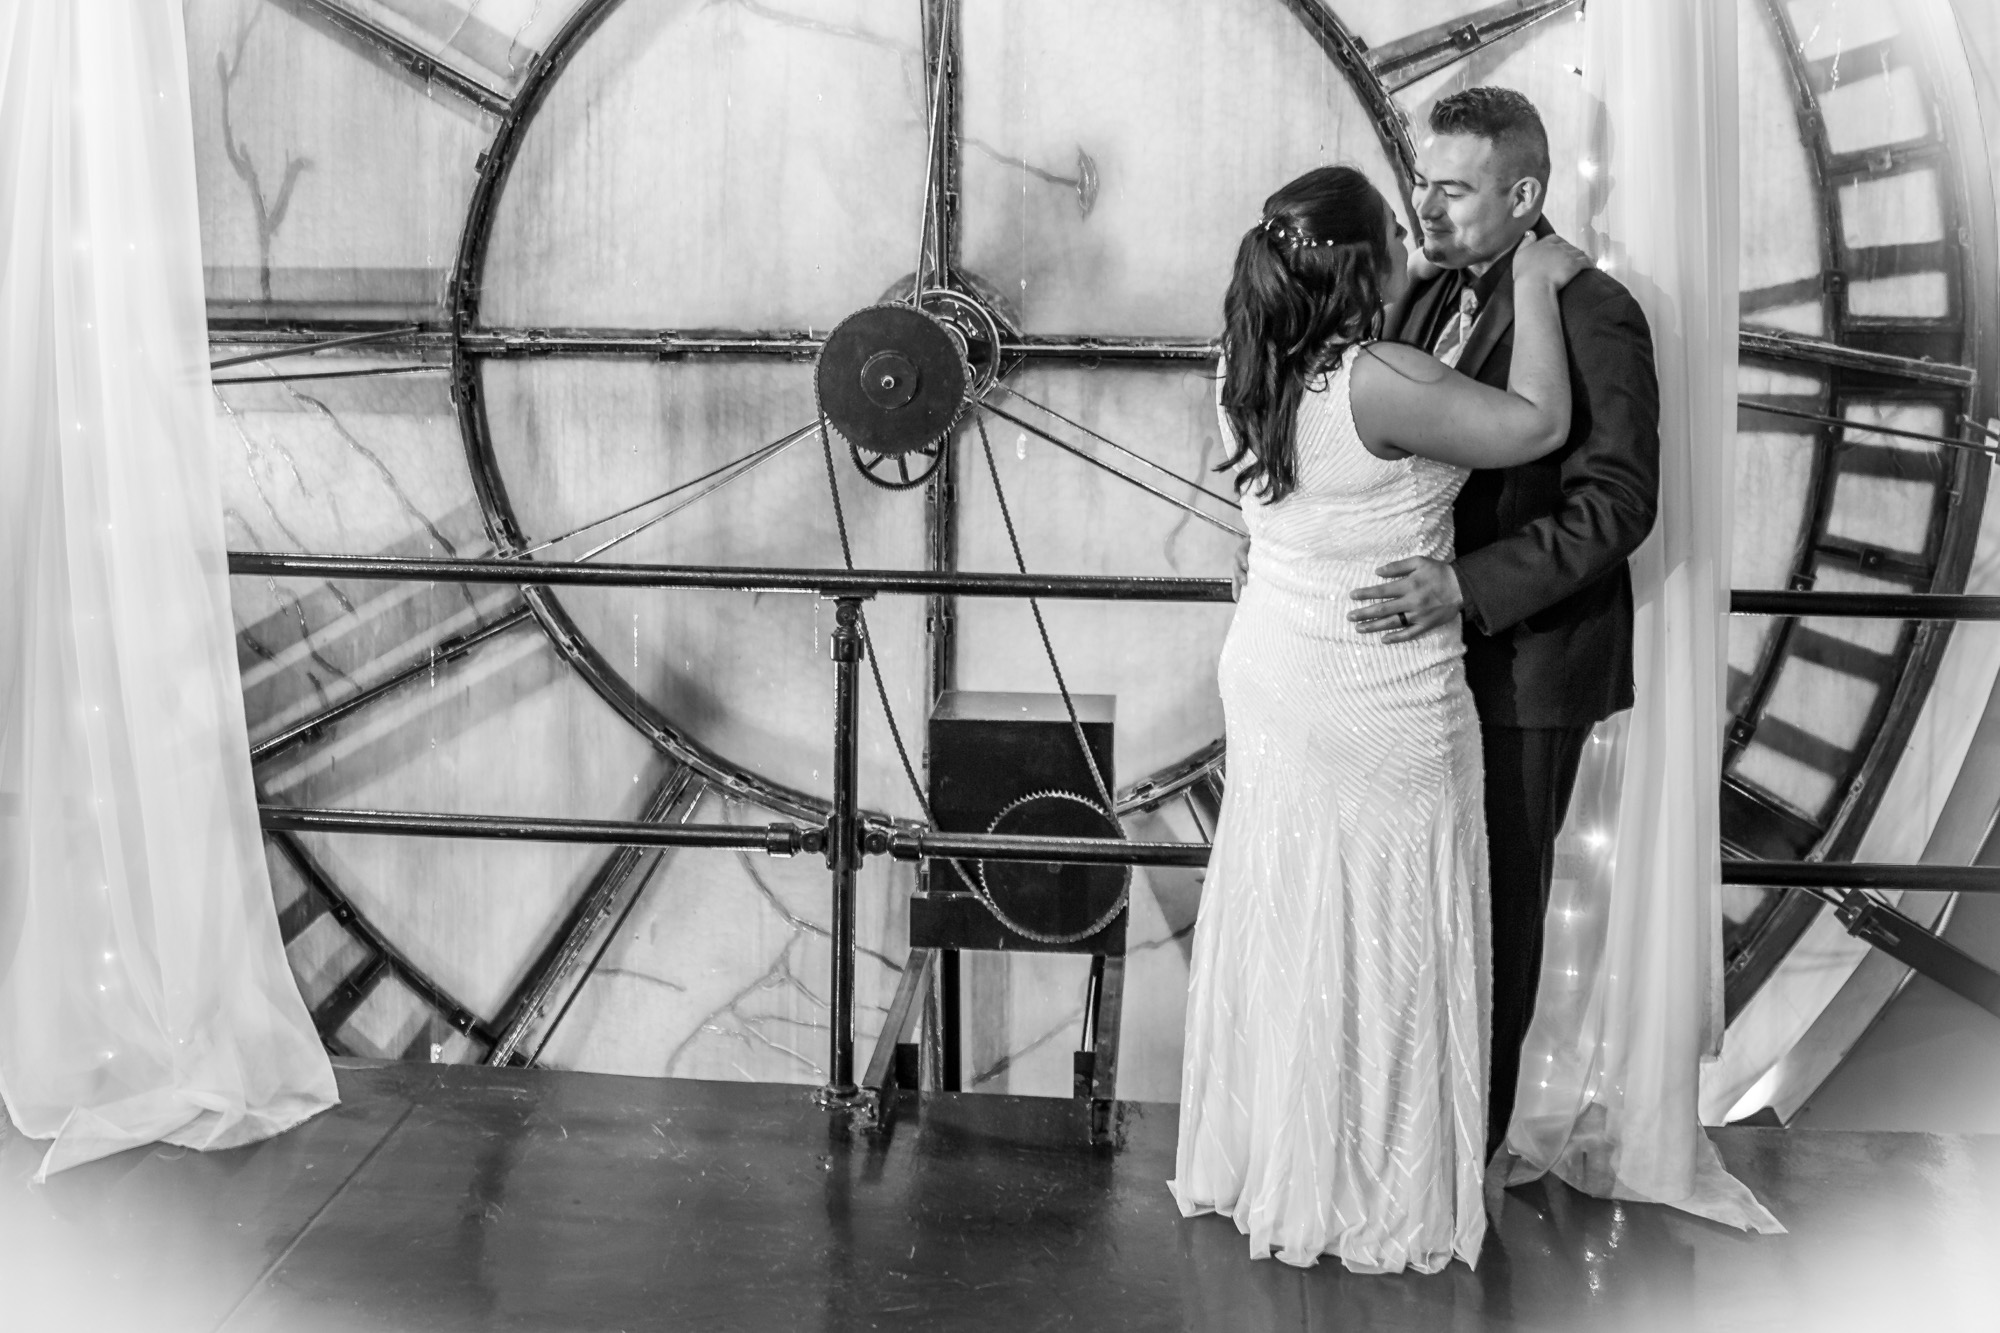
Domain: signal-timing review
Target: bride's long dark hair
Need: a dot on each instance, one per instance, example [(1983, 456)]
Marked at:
[(1307, 284)]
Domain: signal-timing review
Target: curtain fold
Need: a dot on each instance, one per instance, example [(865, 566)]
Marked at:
[(144, 990), (1630, 1002)]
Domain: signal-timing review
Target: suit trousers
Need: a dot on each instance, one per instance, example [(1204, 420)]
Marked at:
[(1530, 772)]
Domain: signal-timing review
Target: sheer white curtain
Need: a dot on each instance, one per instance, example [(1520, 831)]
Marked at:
[(1630, 1000), (144, 992)]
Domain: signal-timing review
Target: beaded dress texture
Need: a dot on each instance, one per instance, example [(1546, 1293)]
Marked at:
[(1334, 1077)]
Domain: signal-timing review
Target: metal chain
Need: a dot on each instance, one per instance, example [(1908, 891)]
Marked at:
[(867, 644), (1109, 809), (975, 883), (1041, 627)]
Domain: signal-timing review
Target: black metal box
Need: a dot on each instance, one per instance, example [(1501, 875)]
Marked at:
[(991, 754)]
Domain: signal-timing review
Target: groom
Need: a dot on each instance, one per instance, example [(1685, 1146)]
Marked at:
[(1540, 579)]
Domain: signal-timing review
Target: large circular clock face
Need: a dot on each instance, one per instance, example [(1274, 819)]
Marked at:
[(651, 216), (1083, 199)]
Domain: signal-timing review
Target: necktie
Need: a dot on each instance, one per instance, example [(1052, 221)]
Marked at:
[(1451, 343)]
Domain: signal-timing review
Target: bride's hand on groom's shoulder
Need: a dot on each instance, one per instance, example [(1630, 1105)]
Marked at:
[(1548, 259)]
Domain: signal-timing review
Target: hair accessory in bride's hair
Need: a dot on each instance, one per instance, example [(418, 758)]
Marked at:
[(1284, 233)]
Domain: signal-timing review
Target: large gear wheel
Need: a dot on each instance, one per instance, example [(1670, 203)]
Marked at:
[(892, 380), (1072, 901)]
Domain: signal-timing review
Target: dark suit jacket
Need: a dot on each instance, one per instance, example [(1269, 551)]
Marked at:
[(1542, 547)]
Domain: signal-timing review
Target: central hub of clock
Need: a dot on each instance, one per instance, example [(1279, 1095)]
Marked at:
[(892, 379)]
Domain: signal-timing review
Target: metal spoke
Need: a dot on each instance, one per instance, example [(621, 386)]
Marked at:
[(745, 468), (327, 374), (319, 345), (690, 800), (1818, 351), (562, 962), (1129, 453), (1095, 462), (801, 344), (932, 176), (657, 344), (1863, 427), (753, 456)]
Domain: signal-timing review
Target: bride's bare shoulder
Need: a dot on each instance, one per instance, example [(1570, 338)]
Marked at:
[(1387, 366)]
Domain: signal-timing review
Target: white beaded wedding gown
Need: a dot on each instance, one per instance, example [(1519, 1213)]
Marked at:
[(1332, 1095)]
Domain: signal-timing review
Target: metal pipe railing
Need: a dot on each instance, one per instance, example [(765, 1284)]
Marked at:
[(843, 839), (1860, 875), (928, 845), (1870, 605), (846, 839), (777, 839), (729, 578)]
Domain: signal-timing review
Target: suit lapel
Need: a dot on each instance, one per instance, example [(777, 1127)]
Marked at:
[(1418, 311), (1497, 317)]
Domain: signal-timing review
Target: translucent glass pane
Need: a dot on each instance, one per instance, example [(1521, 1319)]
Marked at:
[(1748, 636), (1800, 786), (1879, 109), (1877, 636), (389, 1019), (1773, 474), (745, 675), (1826, 28), (1779, 238), (1116, 152), (1892, 210), (492, 42), (322, 954), (731, 166), (1379, 22), (330, 182), (1885, 512), (1842, 578), (1803, 317), (1075, 519), (1760, 380), (1923, 418), (1822, 702), (1904, 296)]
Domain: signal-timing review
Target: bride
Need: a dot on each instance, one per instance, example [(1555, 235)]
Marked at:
[(1331, 1099)]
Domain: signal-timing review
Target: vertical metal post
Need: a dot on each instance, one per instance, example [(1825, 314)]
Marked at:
[(951, 1020), (843, 845), (942, 1032)]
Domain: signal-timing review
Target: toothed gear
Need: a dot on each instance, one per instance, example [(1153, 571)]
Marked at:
[(1100, 821), (892, 380)]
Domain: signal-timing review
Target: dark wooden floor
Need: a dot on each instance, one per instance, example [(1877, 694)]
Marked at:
[(451, 1198)]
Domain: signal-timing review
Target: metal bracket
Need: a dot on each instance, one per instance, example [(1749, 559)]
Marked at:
[(1920, 950)]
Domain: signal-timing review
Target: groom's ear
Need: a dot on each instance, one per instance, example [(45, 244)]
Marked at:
[(1526, 197)]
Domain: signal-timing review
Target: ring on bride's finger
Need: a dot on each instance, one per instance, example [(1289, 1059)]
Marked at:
[(1403, 619)]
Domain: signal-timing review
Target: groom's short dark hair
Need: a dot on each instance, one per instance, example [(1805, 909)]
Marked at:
[(1505, 119)]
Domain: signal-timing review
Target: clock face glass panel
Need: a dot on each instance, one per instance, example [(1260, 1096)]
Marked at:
[(754, 171)]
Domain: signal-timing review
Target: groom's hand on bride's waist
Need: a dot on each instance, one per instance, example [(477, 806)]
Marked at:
[(1421, 595)]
